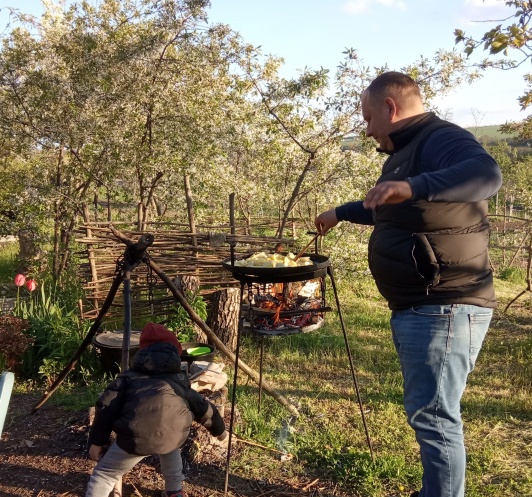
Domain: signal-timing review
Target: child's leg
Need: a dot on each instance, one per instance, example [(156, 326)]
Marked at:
[(114, 463), (172, 470)]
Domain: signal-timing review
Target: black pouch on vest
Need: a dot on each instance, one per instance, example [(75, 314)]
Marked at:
[(425, 259)]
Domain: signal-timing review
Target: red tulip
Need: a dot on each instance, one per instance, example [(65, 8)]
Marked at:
[(31, 285), (20, 279)]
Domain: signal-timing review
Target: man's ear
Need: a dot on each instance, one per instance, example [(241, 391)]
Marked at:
[(392, 108)]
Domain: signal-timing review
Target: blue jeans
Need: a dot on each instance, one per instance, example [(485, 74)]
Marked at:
[(437, 347), (116, 462)]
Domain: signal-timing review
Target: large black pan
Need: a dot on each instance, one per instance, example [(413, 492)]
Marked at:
[(248, 274)]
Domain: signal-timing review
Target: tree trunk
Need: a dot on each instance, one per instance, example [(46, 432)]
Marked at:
[(140, 215), (109, 211), (223, 316), (295, 193), (90, 251), (95, 203), (57, 215), (187, 284), (190, 211), (28, 250)]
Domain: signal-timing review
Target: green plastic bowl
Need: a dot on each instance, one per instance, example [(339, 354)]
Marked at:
[(196, 351)]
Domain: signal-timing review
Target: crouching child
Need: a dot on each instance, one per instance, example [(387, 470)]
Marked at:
[(150, 407)]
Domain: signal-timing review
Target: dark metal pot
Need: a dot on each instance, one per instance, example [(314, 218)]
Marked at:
[(250, 274), (109, 343)]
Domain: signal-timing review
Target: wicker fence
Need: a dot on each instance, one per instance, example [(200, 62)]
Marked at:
[(175, 250)]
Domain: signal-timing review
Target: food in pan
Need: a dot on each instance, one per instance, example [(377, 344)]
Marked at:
[(263, 259)]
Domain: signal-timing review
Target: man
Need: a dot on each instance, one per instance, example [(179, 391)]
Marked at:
[(428, 256)]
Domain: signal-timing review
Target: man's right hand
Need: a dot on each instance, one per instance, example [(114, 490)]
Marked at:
[(388, 192), (325, 221)]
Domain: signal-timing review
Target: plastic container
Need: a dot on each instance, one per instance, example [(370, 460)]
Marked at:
[(109, 343), (7, 381), (196, 351)]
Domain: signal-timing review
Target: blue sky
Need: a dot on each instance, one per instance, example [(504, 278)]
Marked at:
[(314, 33)]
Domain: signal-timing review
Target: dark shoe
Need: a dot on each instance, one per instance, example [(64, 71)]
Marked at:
[(415, 494)]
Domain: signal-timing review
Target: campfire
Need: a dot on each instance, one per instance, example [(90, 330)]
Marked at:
[(286, 308)]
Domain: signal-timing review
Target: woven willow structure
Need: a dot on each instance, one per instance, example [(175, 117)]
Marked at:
[(176, 250)]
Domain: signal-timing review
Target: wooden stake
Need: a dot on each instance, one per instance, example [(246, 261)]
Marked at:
[(311, 484), (248, 442), (306, 247)]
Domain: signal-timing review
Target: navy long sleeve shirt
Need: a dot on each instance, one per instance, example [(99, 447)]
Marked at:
[(454, 168)]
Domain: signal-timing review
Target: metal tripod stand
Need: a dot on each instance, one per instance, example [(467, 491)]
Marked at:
[(244, 281), (134, 254)]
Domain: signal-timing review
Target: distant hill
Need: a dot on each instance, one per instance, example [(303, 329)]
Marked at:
[(490, 133), (487, 135)]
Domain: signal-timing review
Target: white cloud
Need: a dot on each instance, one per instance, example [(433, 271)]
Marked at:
[(358, 6)]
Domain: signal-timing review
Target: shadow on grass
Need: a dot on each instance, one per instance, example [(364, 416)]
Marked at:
[(251, 487), (296, 366), (295, 395), (495, 410), (29, 481)]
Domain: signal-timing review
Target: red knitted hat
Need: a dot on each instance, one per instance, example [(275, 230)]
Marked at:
[(157, 333)]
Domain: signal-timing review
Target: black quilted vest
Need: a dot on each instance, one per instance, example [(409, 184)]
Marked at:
[(424, 252)]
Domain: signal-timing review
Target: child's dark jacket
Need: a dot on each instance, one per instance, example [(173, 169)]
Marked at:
[(151, 406)]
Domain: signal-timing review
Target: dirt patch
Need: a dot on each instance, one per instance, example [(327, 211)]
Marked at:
[(45, 455)]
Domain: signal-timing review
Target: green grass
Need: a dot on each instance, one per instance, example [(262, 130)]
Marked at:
[(8, 255), (328, 439), (513, 274), (489, 132)]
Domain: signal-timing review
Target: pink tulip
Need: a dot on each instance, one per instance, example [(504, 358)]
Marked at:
[(31, 285), (20, 279)]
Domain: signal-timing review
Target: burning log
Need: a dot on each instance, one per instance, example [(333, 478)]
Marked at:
[(287, 307)]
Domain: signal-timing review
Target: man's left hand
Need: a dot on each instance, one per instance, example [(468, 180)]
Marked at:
[(388, 192)]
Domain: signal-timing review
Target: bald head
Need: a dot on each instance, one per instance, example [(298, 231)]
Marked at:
[(398, 86)]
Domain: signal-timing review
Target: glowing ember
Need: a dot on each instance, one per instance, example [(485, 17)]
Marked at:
[(286, 307)]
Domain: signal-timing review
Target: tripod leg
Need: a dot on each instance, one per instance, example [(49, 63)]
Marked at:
[(126, 337), (329, 271), (260, 370), (90, 335), (222, 348)]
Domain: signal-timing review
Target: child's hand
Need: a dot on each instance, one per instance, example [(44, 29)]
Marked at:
[(221, 440), (95, 452)]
